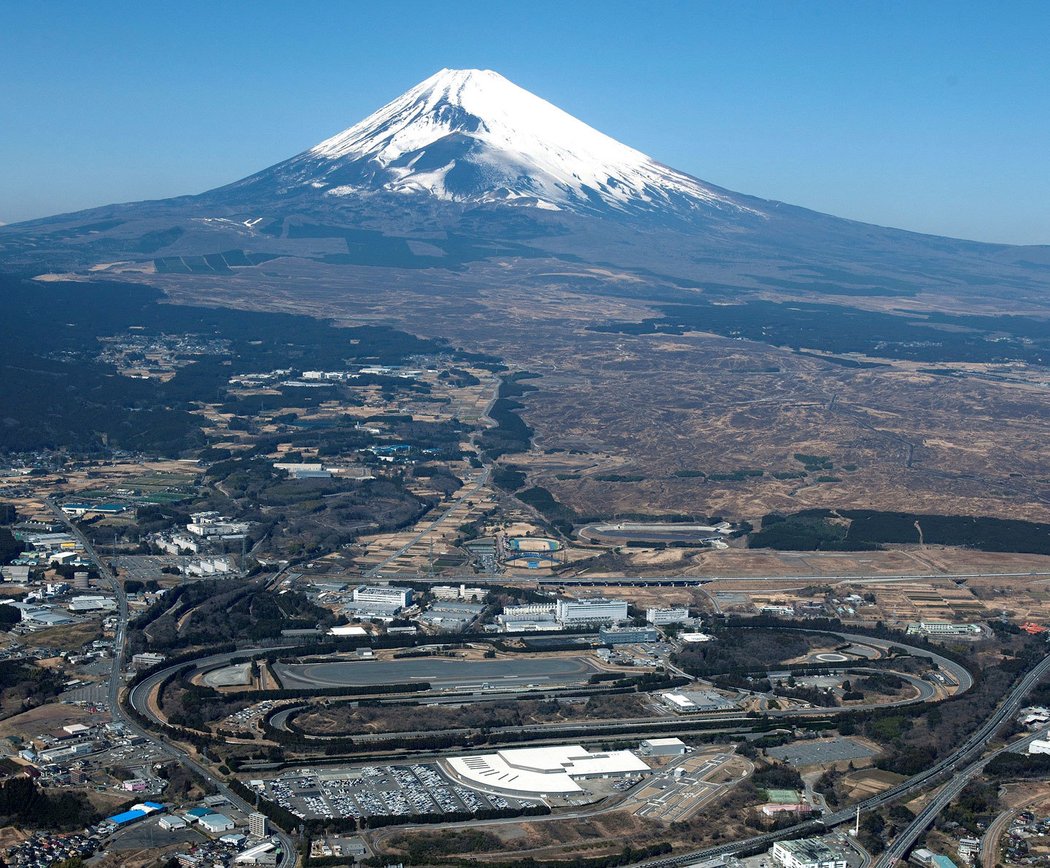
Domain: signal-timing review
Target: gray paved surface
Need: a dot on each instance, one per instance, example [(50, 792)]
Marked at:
[(440, 672), (807, 753)]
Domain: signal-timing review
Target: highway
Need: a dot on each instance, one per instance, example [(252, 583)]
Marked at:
[(694, 581), (965, 756), (906, 839), (966, 753), (289, 855)]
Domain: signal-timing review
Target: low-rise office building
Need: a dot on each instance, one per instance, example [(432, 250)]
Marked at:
[(627, 635), (382, 595), (807, 853), (660, 617), (587, 612)]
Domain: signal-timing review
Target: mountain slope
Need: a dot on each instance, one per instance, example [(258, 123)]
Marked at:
[(472, 136), (467, 167)]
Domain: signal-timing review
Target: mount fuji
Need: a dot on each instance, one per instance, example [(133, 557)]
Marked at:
[(471, 136), (465, 169)]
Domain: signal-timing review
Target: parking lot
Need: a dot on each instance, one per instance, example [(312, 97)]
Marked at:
[(375, 791), (142, 568), (809, 753)]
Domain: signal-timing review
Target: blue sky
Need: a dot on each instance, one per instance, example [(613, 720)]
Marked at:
[(933, 116)]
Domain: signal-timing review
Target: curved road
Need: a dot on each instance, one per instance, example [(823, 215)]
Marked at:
[(139, 695), (965, 753), (288, 852)]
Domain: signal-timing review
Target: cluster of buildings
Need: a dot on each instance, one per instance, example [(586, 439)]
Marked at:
[(1024, 842), (213, 566), (178, 542), (44, 848), (382, 602), (944, 628), (450, 616), (48, 547), (61, 757), (562, 615), (212, 525), (36, 614), (228, 845)]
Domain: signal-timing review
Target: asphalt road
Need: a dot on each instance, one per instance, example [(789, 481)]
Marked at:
[(906, 839), (289, 855), (975, 742), (441, 672), (962, 755), (693, 581)]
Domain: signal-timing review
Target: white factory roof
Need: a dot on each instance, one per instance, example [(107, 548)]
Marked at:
[(348, 630), (543, 770), (253, 853), (695, 637)]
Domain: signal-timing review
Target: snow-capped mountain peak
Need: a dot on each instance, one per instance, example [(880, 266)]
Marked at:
[(471, 135)]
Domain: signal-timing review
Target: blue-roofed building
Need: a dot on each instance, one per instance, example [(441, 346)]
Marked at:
[(193, 814), (940, 861), (126, 817)]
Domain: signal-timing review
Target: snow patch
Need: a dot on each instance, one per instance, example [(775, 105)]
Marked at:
[(498, 142)]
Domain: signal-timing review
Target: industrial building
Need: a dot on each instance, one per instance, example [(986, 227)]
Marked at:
[(451, 616), (627, 635), (694, 701), (14, 573), (807, 853), (172, 823), (385, 596), (92, 604), (35, 617), (1039, 745), (137, 812), (303, 470), (662, 747), (527, 618), (661, 617), (593, 611), (542, 771), (52, 754), (216, 823)]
